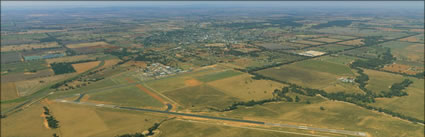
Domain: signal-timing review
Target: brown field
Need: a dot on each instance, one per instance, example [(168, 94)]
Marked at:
[(356, 42), (410, 39), (400, 68), (417, 30), (91, 44), (192, 82), (307, 42), (29, 46), (388, 29), (26, 76), (415, 52), (8, 91), (327, 40), (308, 36), (40, 31), (82, 67), (215, 45), (27, 87), (110, 62), (246, 88), (135, 63)]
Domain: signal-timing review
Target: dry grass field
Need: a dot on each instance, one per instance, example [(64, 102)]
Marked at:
[(246, 88), (327, 40), (27, 123), (83, 67), (8, 91), (356, 42), (215, 45), (91, 44), (412, 38), (29, 46), (355, 118), (83, 121), (110, 62), (400, 68)]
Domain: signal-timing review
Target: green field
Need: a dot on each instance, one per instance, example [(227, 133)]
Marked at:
[(314, 74), (24, 66), (379, 81), (217, 76), (340, 59), (126, 96), (407, 53), (327, 67), (200, 97), (411, 105)]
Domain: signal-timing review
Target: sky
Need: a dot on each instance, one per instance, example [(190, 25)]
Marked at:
[(74, 4)]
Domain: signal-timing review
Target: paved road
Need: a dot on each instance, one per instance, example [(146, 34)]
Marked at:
[(345, 132)]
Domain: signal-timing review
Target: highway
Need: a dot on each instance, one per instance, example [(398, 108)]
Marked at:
[(337, 131)]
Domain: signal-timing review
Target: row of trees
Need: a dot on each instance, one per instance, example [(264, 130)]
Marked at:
[(51, 121)]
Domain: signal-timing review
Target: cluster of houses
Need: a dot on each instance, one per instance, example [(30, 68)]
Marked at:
[(160, 70)]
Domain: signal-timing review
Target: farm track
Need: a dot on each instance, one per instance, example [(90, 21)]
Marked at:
[(336, 131)]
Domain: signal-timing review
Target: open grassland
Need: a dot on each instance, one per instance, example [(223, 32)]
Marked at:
[(406, 51), (83, 67), (90, 44), (8, 91), (246, 88), (28, 46), (379, 81), (326, 40), (411, 105), (202, 96), (354, 118), (313, 74), (83, 121), (357, 42), (126, 96), (27, 123), (218, 75)]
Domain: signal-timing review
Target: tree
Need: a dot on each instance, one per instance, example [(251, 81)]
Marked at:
[(55, 135), (308, 102), (322, 108), (297, 99)]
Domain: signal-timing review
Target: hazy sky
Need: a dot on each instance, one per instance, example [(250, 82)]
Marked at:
[(73, 4)]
